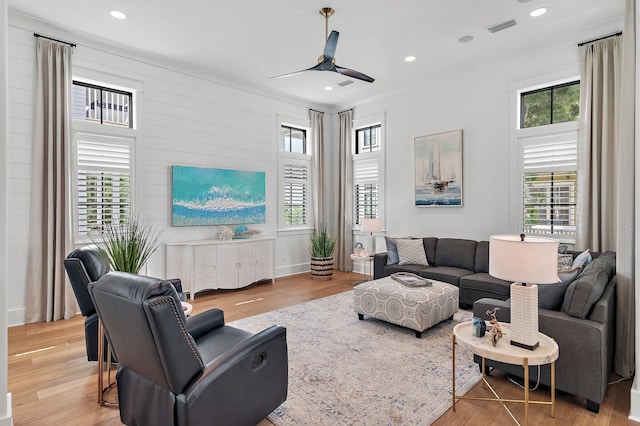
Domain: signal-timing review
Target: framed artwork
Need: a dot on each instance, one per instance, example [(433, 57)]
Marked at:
[(208, 196), (438, 168)]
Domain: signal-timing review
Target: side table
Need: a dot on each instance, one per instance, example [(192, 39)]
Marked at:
[(546, 353), (365, 261)]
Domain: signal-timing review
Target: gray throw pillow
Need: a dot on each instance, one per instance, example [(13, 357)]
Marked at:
[(584, 292), (551, 296)]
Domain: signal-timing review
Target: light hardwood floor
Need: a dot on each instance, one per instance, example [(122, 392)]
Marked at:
[(52, 383)]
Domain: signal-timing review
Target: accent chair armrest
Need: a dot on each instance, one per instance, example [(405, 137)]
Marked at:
[(201, 324)]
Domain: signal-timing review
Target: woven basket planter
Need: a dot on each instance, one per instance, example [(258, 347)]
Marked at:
[(321, 268)]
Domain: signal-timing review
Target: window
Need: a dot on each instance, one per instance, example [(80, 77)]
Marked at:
[(104, 142), (103, 186), (294, 140), (365, 177), (549, 185), (368, 139), (102, 105), (368, 170), (295, 178), (550, 105), (296, 186)]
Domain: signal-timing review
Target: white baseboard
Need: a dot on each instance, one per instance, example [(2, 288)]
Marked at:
[(634, 411), (15, 317), (284, 271), (8, 419)]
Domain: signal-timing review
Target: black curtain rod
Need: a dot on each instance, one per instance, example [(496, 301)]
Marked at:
[(54, 39), (314, 110), (600, 38), (350, 109)]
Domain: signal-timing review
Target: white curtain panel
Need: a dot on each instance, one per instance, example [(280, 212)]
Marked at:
[(317, 145), (598, 144), (344, 246), (607, 169), (625, 242), (49, 296)]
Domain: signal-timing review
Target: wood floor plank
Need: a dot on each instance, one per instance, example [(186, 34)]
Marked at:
[(52, 382)]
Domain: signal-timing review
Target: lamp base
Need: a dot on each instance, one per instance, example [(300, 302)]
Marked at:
[(524, 316), (525, 346)]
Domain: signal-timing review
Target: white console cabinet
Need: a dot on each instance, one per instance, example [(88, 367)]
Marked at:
[(217, 264)]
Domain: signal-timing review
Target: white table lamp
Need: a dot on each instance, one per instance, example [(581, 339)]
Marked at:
[(371, 225), (527, 261)]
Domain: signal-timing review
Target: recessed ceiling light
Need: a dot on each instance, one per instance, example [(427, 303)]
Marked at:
[(465, 39), (539, 12), (328, 88), (410, 59), (118, 14)]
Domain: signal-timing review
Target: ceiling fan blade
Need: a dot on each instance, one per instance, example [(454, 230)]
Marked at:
[(354, 74), (290, 74), (330, 45)]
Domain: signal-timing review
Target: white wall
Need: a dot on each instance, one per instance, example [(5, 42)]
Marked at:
[(479, 101), (186, 119)]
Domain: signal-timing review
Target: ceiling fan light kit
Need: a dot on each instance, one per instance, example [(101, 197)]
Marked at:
[(327, 61)]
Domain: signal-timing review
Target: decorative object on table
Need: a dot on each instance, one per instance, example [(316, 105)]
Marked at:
[(209, 196), (438, 169), (409, 279), (225, 233), (323, 245), (526, 262), (478, 327), (371, 225), (242, 232), (496, 330), (126, 246), (358, 249)]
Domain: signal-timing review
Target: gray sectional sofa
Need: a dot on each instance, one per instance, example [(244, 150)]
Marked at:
[(578, 313), (463, 263)]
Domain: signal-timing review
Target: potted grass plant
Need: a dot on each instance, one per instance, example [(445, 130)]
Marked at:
[(127, 246), (323, 245)]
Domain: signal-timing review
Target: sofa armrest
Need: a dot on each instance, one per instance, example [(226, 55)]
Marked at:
[(481, 306), (379, 262)]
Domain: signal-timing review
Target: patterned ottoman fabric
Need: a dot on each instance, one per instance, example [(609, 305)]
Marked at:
[(417, 308)]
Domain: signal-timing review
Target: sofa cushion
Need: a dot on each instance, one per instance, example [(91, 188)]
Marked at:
[(446, 274), (430, 244), (411, 252), (584, 292), (457, 253), (414, 269), (481, 284), (551, 296), (482, 257)]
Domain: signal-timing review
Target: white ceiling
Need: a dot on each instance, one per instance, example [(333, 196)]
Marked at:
[(249, 41)]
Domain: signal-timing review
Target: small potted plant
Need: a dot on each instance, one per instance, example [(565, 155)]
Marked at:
[(323, 245)]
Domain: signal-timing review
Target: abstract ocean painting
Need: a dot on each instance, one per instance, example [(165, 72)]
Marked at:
[(210, 196)]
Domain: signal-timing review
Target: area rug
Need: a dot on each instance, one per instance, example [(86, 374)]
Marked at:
[(343, 371)]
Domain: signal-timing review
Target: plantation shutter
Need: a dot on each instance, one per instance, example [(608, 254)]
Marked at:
[(366, 181), (549, 187), (296, 184), (104, 183)]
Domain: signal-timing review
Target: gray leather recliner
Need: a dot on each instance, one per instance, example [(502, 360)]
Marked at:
[(179, 371)]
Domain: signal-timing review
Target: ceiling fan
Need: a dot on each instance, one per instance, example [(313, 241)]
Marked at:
[(327, 62)]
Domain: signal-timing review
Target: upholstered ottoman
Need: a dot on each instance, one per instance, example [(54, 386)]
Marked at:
[(417, 308)]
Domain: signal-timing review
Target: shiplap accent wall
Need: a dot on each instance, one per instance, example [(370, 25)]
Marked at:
[(185, 119)]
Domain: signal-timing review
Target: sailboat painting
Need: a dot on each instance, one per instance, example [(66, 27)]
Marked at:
[(438, 164)]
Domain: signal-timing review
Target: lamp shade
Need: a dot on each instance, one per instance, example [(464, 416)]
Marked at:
[(532, 260), (371, 225)]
